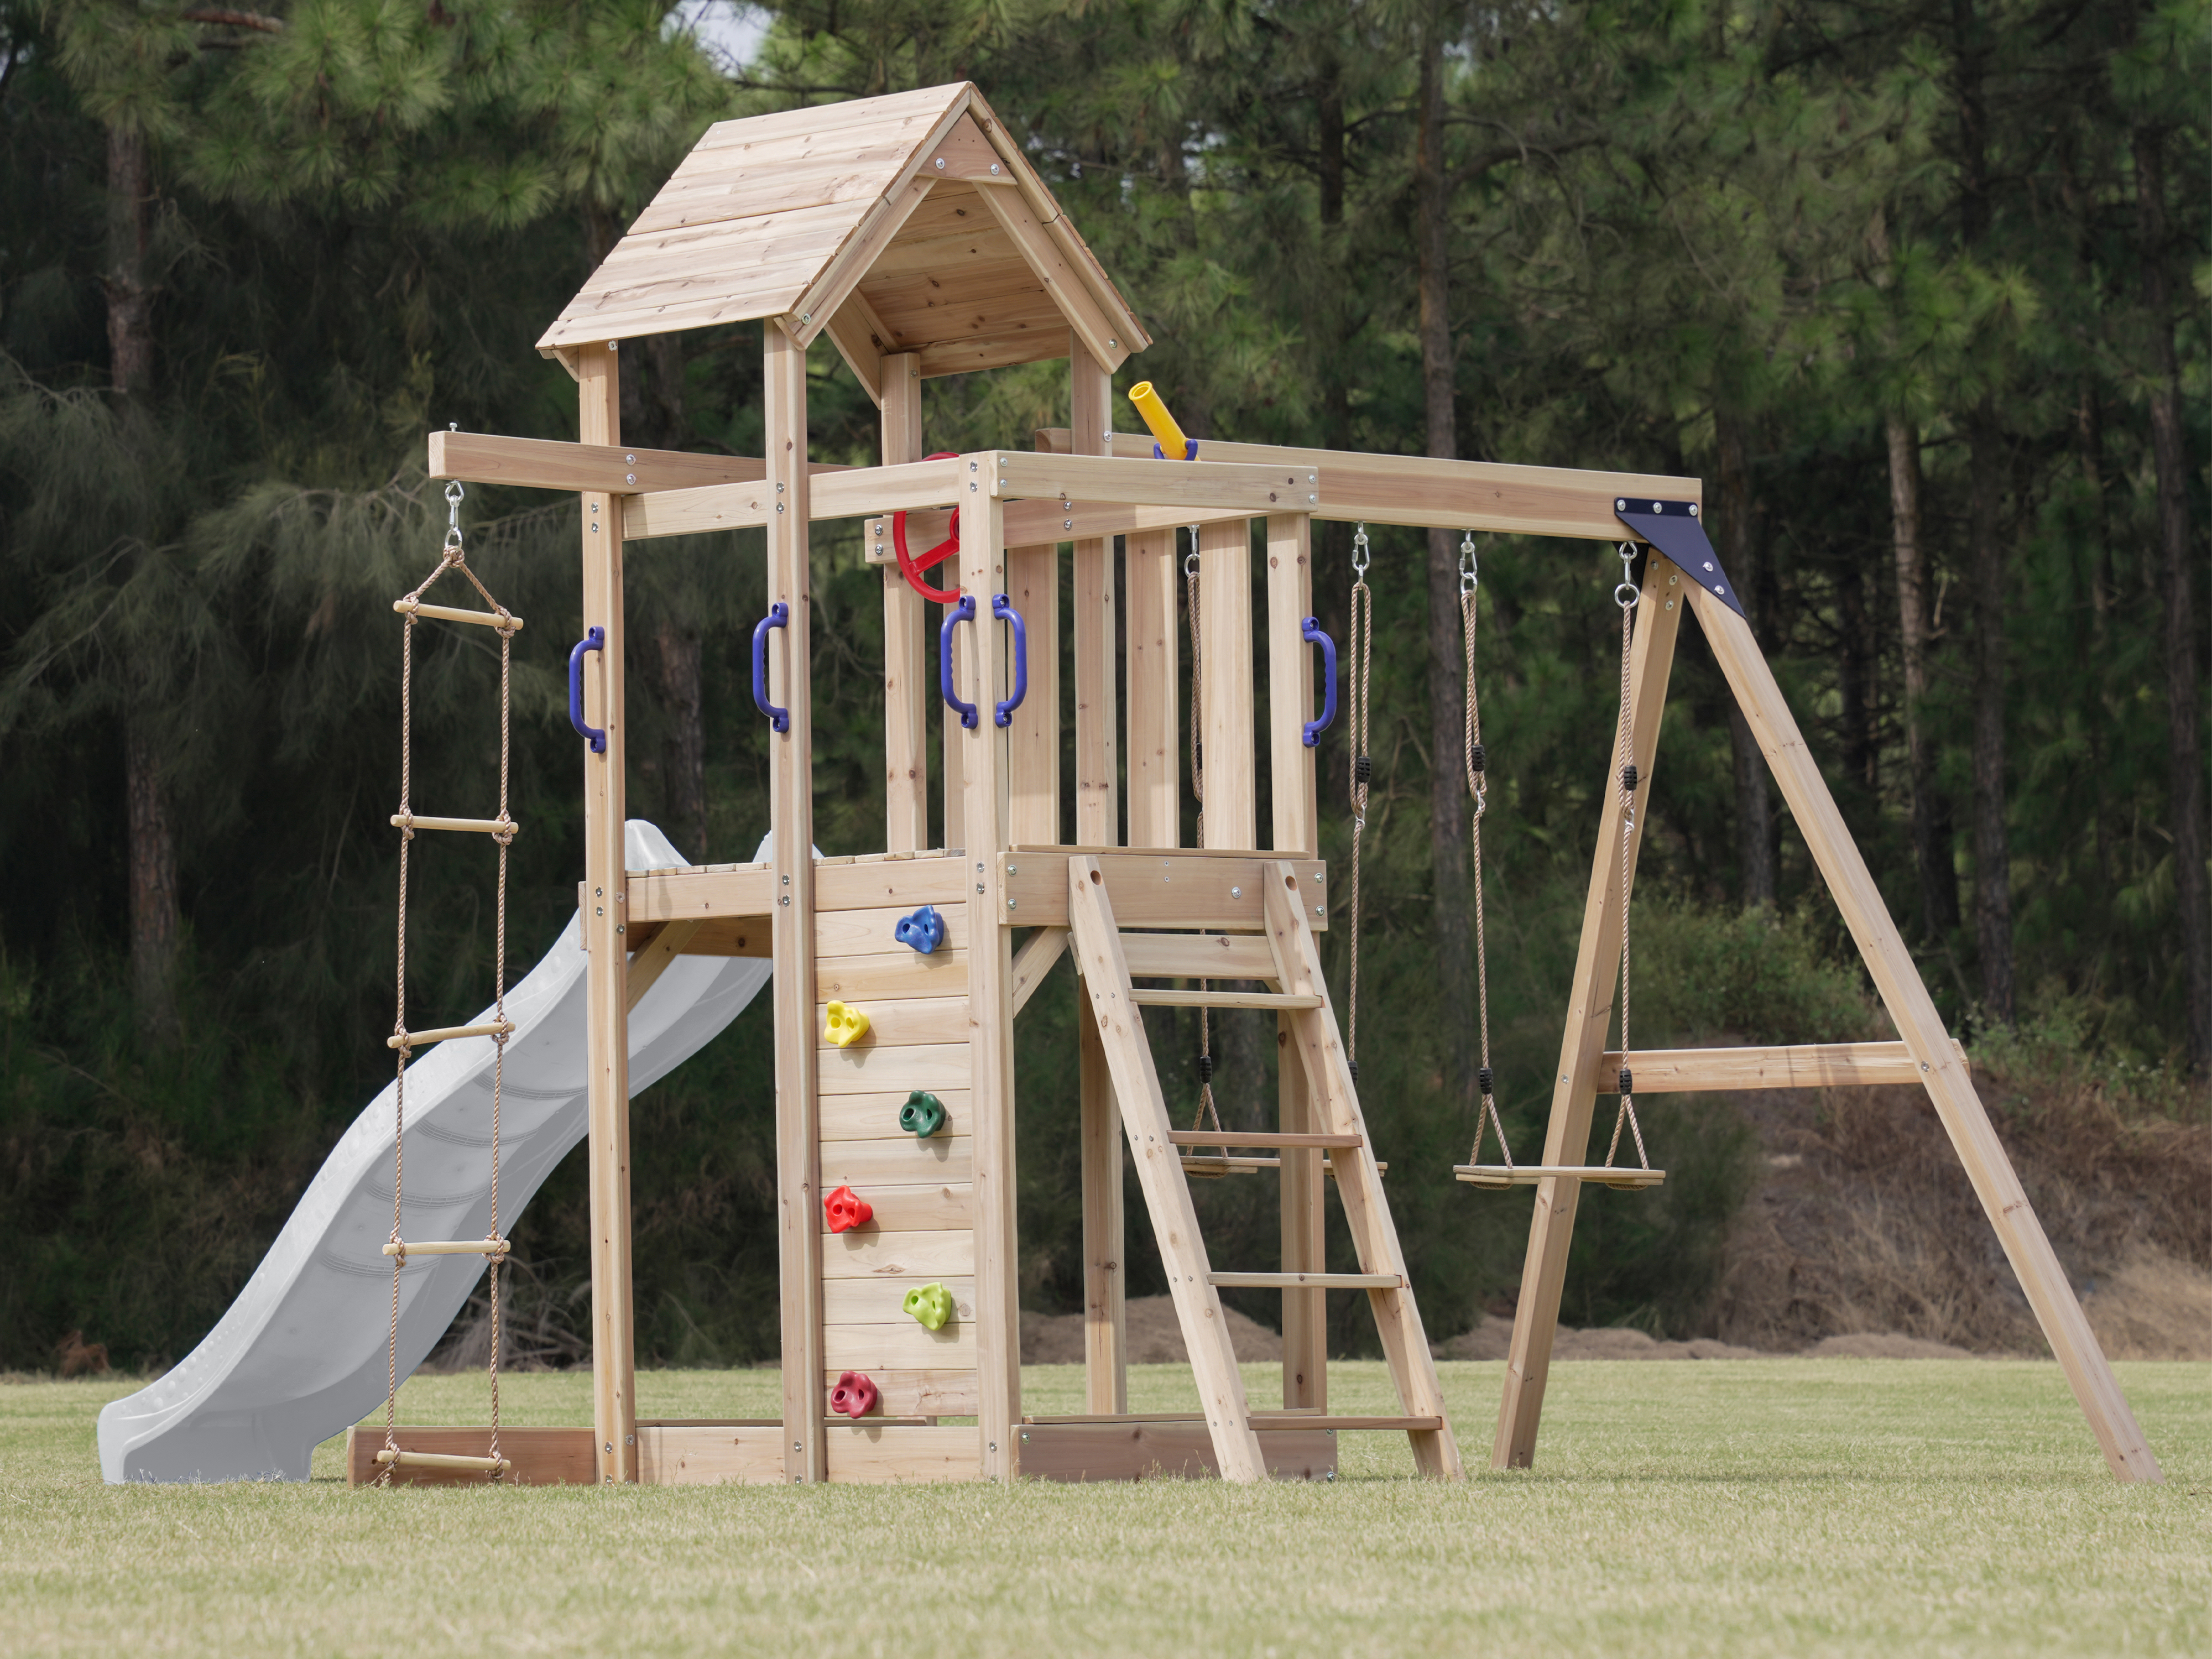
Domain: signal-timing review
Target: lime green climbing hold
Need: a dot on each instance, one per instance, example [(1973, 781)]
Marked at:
[(931, 1304)]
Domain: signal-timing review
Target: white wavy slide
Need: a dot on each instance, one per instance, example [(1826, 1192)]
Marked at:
[(300, 1355)]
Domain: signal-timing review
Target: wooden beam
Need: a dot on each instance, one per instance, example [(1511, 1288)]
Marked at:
[(1412, 490), (1039, 951), (1097, 765), (613, 1381), (1155, 765), (838, 492), (1147, 1448), (608, 468), (990, 1060), (1156, 890), (1033, 738), (791, 817), (1096, 333), (1589, 1011), (858, 343), (1257, 490), (1230, 811), (1105, 1316), (1913, 1012), (649, 960), (1802, 1066), (906, 689)]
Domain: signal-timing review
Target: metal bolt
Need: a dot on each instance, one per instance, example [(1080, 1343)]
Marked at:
[(1320, 910), (1693, 509), (1067, 524), (599, 909), (805, 317), (1013, 869), (785, 899), (611, 1446), (779, 507), (1236, 892), (630, 478), (632, 459), (1113, 343), (631, 1439), (979, 886), (995, 173), (1009, 904), (618, 928), (1619, 506)]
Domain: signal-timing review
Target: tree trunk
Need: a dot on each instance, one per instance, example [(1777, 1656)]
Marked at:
[(150, 840), (1992, 838), (1931, 850), (683, 750), (154, 922), (1448, 800), (1754, 817), (2185, 763)]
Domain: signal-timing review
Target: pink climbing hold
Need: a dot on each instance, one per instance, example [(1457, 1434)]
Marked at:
[(854, 1396)]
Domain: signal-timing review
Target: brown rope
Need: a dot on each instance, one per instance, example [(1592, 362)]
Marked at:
[(452, 557), (1360, 645), (1205, 1111), (1625, 595), (1475, 767)]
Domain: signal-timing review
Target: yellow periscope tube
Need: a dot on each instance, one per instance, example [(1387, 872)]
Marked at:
[(1173, 444)]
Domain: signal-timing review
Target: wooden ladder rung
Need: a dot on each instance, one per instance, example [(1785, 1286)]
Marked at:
[(1498, 1176), (447, 1033), (449, 1247), (1306, 1281), (450, 613), (419, 1459), (480, 826), (1256, 1138), (1283, 1000), (1265, 1421)]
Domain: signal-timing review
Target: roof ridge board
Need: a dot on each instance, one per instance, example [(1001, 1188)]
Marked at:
[(776, 123)]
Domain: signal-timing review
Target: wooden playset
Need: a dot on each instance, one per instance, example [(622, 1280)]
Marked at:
[(912, 233)]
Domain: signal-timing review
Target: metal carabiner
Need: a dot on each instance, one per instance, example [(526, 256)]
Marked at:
[(1190, 559), (1469, 567), (1627, 561), (453, 494), (1359, 551)]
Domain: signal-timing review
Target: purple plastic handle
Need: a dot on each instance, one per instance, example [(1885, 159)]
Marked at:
[(779, 615), (1003, 609), (963, 611), (595, 639), (1309, 631)]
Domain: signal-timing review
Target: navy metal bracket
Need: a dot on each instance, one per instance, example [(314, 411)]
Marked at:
[(1677, 530)]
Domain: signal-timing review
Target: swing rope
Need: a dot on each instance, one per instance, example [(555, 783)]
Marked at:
[(1625, 595), (1360, 642), (453, 556), (1205, 1111), (1477, 787)]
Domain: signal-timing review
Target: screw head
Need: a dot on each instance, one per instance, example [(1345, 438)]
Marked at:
[(1236, 892), (630, 478), (941, 164)]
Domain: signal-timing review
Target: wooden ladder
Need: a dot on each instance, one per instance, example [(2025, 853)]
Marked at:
[(1303, 998)]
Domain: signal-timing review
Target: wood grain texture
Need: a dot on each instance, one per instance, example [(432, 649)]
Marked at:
[(906, 646), (705, 1455), (538, 1457), (894, 1452), (1229, 809), (1151, 1450)]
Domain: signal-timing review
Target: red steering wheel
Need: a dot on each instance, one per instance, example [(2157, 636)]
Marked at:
[(910, 566)]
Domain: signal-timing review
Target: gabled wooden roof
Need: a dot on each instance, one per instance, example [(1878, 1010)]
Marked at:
[(911, 223)]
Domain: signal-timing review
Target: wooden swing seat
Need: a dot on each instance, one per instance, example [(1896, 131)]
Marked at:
[(1498, 1176)]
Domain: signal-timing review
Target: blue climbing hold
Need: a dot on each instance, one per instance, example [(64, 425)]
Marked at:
[(924, 930)]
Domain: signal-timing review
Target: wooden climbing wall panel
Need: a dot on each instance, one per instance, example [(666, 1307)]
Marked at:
[(923, 1231)]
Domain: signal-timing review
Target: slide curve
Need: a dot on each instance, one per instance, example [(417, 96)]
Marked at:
[(300, 1355)]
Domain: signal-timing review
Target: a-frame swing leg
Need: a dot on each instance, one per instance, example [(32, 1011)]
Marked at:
[(1949, 1088), (1590, 1014)]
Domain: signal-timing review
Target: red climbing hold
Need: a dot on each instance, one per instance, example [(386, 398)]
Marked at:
[(846, 1210), (854, 1396)]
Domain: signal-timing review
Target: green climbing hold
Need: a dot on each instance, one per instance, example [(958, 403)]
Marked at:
[(931, 1304), (923, 1115)]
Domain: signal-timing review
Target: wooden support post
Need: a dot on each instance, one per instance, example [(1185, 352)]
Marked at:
[(1155, 767), (1097, 824), (1297, 831), (1225, 602), (791, 923), (1098, 815), (1950, 1088), (983, 682), (1033, 738), (1589, 1011), (907, 688), (1105, 1318), (614, 1401)]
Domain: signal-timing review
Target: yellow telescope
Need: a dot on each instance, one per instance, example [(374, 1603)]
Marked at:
[(1173, 444)]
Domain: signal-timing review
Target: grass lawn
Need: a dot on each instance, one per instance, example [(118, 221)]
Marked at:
[(1772, 1506)]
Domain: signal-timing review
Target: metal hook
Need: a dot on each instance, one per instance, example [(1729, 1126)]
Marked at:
[(1360, 551), (1470, 568)]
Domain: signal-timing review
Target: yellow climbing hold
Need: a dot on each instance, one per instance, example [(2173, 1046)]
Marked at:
[(844, 1026)]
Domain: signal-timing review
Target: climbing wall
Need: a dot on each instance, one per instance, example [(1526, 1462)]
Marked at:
[(921, 1232)]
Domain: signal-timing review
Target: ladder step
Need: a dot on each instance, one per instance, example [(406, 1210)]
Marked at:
[(1279, 999), (508, 624), (450, 1247), (1255, 1137), (480, 826), (447, 1033), (1199, 956), (420, 1460), (1498, 1177), (1306, 1281)]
